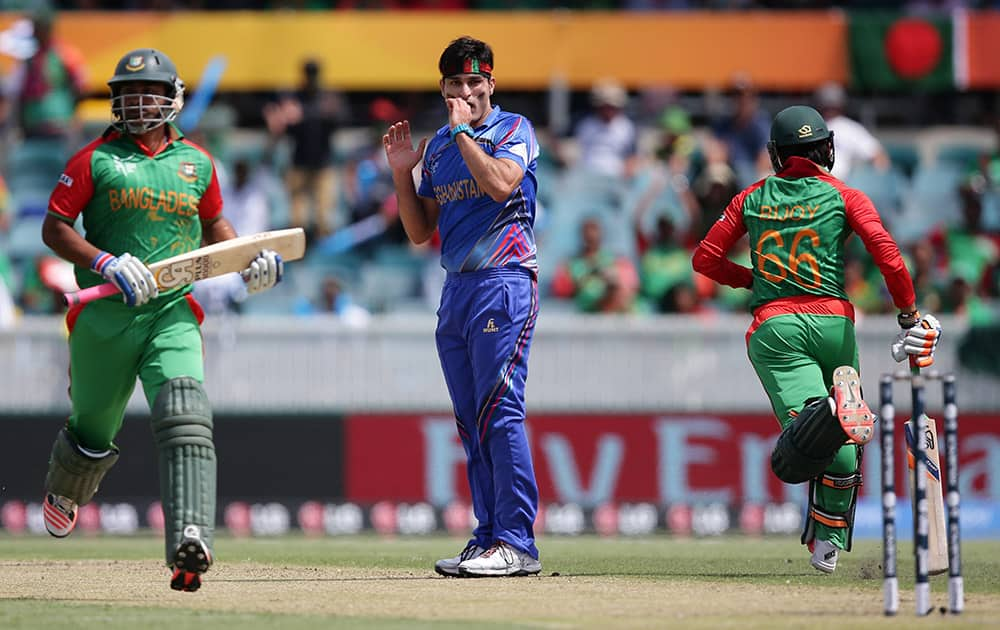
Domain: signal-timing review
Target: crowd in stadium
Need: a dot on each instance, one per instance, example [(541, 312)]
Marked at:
[(627, 188)]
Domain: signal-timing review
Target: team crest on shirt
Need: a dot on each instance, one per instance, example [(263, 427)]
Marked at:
[(188, 172), (431, 162), (135, 63)]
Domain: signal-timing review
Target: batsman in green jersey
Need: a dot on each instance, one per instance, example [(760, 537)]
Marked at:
[(145, 193), (801, 341)]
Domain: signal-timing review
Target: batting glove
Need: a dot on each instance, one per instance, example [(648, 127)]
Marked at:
[(129, 274), (919, 342), (265, 271)]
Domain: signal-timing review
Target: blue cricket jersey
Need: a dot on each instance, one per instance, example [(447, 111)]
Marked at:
[(489, 305), (477, 232)]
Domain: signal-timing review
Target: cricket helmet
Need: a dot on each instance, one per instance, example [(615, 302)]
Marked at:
[(140, 112), (800, 130)]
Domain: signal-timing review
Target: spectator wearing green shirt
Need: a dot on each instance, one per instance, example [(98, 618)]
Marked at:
[(663, 264), (597, 279)]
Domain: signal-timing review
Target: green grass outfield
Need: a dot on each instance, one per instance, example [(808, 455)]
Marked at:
[(370, 582)]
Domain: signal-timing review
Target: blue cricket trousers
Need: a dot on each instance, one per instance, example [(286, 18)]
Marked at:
[(485, 324)]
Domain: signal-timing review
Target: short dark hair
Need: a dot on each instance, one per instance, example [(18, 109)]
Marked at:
[(466, 48), (821, 152)]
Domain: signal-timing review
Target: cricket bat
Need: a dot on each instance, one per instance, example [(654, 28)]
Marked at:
[(937, 534), (213, 260)]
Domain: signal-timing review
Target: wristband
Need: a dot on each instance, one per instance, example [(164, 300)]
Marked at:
[(100, 261), (907, 321), (462, 128)]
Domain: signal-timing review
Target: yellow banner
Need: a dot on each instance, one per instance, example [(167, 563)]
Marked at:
[(399, 50)]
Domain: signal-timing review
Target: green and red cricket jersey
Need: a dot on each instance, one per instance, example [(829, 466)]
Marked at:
[(798, 221), (148, 204)]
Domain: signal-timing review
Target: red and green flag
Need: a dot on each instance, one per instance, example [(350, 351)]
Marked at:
[(898, 53)]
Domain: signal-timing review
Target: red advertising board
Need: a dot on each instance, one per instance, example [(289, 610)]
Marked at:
[(593, 459)]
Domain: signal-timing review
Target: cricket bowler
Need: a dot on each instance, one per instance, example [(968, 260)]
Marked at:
[(145, 193), (801, 341), (477, 187)]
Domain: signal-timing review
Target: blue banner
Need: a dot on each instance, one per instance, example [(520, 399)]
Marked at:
[(979, 519)]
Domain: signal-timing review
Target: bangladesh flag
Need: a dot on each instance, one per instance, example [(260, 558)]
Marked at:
[(898, 53)]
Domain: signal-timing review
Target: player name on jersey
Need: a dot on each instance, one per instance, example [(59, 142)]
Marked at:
[(798, 212)]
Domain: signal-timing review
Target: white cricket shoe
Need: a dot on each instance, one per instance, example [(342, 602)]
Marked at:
[(500, 560), (448, 567), (59, 514), (824, 556)]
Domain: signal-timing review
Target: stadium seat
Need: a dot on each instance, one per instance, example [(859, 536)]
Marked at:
[(346, 267), (667, 202), (746, 174), (583, 195), (398, 256), (933, 200), (37, 155), (599, 190), (24, 241), (904, 157), (990, 218), (547, 175), (279, 300), (280, 207), (29, 201), (961, 156), (887, 189), (392, 277), (33, 168), (381, 288)]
